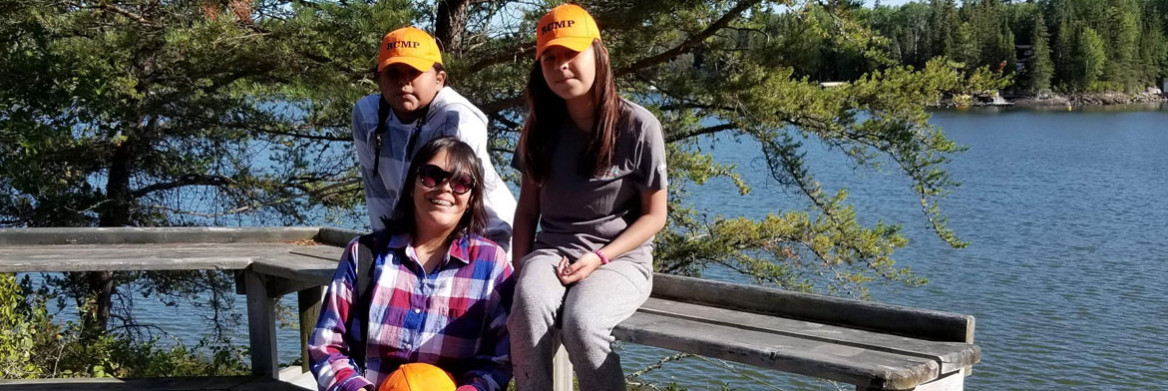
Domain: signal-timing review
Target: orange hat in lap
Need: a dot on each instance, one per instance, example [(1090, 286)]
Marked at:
[(411, 46), (567, 25), (418, 377)]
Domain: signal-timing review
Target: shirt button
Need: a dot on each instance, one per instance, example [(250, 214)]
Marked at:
[(417, 311)]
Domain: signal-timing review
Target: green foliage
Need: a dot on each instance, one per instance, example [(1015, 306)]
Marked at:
[(1087, 59), (983, 33), (34, 345), (18, 332), (1040, 68)]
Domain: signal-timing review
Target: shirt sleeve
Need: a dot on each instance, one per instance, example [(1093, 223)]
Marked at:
[(328, 349), (651, 166), (491, 370), (377, 197), (499, 201)]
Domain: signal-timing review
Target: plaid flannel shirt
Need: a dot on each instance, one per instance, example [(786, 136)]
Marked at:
[(455, 317)]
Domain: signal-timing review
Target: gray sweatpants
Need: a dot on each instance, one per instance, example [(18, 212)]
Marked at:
[(587, 312)]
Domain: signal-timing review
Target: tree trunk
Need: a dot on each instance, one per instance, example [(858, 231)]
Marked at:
[(451, 24), (116, 212)]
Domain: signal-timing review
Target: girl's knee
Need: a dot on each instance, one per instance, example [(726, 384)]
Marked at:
[(534, 302), (579, 327)]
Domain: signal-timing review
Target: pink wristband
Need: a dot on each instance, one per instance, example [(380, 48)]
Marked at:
[(603, 259)]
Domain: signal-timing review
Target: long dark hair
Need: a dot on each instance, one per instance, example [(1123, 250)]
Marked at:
[(462, 161), (546, 111)]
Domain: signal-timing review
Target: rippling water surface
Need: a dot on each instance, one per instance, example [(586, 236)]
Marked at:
[(1067, 271)]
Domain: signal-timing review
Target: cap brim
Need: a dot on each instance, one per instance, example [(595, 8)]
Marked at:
[(420, 64), (576, 44)]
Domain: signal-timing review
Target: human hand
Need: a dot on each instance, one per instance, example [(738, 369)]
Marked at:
[(579, 270)]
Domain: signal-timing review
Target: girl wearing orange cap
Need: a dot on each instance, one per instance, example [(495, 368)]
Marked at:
[(415, 106), (594, 179)]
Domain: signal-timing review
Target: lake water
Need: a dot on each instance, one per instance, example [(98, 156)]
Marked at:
[(1066, 271)]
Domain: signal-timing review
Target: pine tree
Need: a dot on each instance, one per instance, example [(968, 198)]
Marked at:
[(1153, 56), (1064, 43), (1122, 35), (1088, 59), (1039, 68), (943, 23)]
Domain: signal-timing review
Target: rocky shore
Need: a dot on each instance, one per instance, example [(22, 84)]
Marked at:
[(1049, 99), (1091, 99)]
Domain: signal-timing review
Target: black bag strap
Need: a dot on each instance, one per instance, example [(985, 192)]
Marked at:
[(383, 111), (379, 136), (366, 244)]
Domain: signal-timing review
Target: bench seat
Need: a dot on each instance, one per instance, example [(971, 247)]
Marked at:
[(868, 357)]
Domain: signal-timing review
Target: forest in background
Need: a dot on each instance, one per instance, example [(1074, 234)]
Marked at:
[(1064, 46)]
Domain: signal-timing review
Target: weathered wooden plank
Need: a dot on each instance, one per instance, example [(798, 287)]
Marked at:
[(907, 321), (853, 365), (261, 327), (324, 253), (951, 382), (297, 376), (952, 356), (267, 385), (337, 237), (295, 267), (145, 384), (286, 260), (158, 264), (129, 235)]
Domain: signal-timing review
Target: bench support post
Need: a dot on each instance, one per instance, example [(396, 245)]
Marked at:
[(261, 327), (561, 367), (308, 301)]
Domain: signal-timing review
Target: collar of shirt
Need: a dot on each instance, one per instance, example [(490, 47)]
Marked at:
[(459, 248)]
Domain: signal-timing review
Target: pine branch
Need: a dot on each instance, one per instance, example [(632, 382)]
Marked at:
[(672, 137), (118, 10), (692, 42), (184, 181), (508, 54)]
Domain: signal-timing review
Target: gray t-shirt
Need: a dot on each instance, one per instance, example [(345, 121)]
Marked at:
[(582, 214)]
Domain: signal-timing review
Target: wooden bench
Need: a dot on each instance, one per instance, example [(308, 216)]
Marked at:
[(229, 383), (870, 345)]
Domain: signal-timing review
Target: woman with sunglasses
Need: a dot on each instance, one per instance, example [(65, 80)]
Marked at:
[(594, 179), (441, 291)]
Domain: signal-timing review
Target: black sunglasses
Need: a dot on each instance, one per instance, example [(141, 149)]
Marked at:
[(433, 176)]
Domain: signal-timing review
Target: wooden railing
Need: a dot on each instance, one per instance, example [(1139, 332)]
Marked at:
[(869, 345)]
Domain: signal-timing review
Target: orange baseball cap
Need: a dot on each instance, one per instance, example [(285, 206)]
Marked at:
[(418, 377), (411, 46), (567, 25)]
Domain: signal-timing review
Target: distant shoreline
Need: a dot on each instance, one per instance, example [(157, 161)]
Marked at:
[(1088, 99), (1065, 100)]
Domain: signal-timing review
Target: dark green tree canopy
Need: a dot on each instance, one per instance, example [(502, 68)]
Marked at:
[(979, 33), (146, 113)]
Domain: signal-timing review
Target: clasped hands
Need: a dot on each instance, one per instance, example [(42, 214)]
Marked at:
[(571, 272)]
